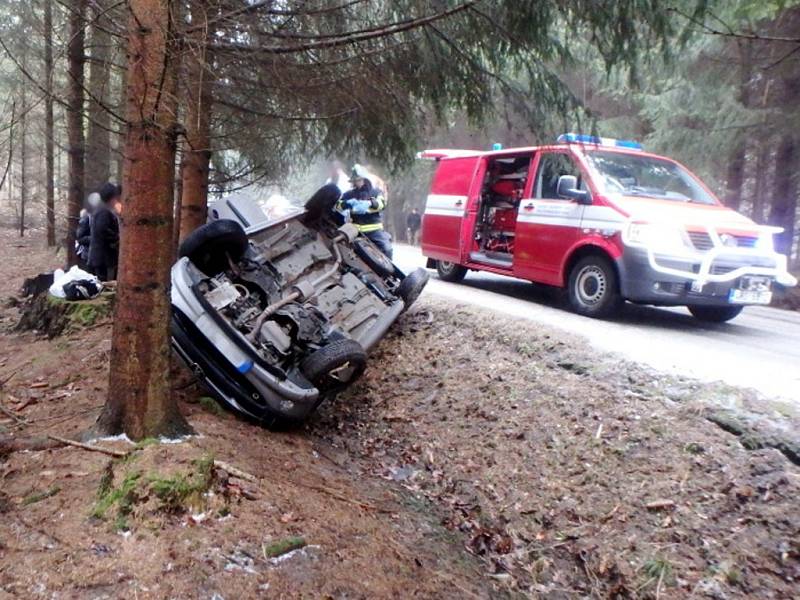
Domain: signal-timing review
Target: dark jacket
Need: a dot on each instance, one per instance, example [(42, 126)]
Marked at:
[(413, 221), (371, 220), (83, 235), (104, 246)]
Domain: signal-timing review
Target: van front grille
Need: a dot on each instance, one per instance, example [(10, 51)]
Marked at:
[(701, 240)]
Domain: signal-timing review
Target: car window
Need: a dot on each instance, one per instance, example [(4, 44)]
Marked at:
[(552, 166)]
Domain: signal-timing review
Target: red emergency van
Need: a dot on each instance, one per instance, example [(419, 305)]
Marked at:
[(601, 218)]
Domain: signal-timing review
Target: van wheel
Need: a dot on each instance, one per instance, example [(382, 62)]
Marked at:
[(333, 367), (210, 245), (593, 287), (450, 271), (715, 314)]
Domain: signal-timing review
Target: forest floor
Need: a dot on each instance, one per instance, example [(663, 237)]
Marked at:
[(475, 458)]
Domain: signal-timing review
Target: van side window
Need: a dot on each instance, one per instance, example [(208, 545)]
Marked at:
[(552, 166)]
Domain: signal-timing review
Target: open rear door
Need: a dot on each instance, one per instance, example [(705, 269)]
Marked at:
[(447, 202)]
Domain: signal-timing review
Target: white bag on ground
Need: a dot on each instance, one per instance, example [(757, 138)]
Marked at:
[(60, 279)]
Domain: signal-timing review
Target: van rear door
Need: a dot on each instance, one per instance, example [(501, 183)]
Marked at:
[(446, 205)]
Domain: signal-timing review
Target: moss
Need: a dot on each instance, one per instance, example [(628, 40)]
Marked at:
[(172, 494), (694, 448), (283, 546), (144, 443), (39, 496), (178, 492), (211, 405), (123, 497), (106, 481)]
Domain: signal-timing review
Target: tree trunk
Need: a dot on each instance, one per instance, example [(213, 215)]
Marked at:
[(197, 101), (738, 156), (120, 102), (48, 123), (75, 58), (784, 193), (760, 187), (735, 178), (176, 211), (98, 139), (23, 151), (139, 400), (7, 176)]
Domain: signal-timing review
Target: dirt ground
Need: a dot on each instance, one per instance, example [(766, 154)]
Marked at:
[(476, 458)]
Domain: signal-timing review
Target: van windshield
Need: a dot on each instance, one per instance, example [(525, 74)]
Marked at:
[(632, 175)]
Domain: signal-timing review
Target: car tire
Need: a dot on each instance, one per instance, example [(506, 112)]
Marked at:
[(715, 314), (375, 259), (412, 285), (593, 287), (319, 366), (322, 202), (450, 271), (210, 245)]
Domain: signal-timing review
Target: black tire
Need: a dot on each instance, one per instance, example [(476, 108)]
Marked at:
[(322, 202), (594, 287), (375, 259), (210, 245), (450, 271), (319, 367), (715, 314), (411, 287)]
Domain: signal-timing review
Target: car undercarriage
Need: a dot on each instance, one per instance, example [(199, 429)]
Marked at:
[(290, 310)]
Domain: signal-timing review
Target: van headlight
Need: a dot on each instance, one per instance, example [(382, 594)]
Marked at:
[(765, 242), (656, 237)]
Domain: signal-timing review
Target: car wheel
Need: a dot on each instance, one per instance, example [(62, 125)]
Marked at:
[(210, 245), (336, 365), (375, 259), (322, 202), (411, 287), (715, 314), (450, 271), (593, 287)]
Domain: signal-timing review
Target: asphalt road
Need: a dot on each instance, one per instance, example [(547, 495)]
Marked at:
[(759, 349)]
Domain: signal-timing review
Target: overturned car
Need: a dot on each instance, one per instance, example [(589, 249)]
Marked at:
[(278, 317)]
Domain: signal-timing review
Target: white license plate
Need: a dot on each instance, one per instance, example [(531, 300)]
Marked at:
[(737, 296)]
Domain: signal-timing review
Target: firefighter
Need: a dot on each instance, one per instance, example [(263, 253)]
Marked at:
[(366, 203)]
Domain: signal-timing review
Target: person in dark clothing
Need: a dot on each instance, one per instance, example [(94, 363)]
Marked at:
[(104, 244), (413, 223), (83, 237), (83, 233), (366, 204)]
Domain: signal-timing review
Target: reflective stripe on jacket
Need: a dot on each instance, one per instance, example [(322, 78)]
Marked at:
[(372, 220)]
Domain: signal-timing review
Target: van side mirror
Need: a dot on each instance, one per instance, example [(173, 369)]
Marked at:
[(568, 188)]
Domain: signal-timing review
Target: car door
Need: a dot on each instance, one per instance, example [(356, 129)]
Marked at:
[(547, 225)]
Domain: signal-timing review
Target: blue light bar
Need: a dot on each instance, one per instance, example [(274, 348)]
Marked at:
[(581, 138)]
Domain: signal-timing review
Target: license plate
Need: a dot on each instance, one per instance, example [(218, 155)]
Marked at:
[(737, 296), (753, 283)]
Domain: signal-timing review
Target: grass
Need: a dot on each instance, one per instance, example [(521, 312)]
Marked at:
[(283, 546), (658, 571), (124, 496), (39, 496)]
